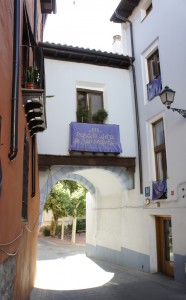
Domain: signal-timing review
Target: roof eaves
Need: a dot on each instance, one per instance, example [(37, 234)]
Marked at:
[(48, 7), (88, 56), (124, 9)]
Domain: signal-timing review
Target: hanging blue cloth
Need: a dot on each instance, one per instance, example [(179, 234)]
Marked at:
[(159, 189), (87, 137), (154, 88)]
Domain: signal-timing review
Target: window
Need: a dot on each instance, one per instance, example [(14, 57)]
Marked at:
[(153, 65), (154, 75), (25, 178), (32, 56), (159, 187), (146, 9), (159, 150), (88, 103), (169, 255)]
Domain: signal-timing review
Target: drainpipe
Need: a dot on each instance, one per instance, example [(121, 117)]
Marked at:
[(34, 137), (35, 19), (15, 83), (33, 166), (136, 101)]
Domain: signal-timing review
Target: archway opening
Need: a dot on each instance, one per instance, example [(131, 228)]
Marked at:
[(64, 212), (105, 202)]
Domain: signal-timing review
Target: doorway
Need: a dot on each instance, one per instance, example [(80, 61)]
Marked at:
[(165, 256)]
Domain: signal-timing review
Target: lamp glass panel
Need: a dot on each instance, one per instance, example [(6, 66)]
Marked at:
[(170, 96), (163, 97)]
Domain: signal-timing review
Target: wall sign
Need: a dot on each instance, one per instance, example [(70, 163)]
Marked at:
[(147, 191), (94, 138)]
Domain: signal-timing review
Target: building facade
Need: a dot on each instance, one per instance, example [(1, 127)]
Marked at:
[(84, 78), (21, 64), (154, 32)]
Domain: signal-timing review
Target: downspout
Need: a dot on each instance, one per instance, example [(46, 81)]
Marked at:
[(34, 137), (136, 101), (35, 19), (33, 166), (15, 83)]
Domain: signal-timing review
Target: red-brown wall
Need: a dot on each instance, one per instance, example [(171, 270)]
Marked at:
[(18, 236)]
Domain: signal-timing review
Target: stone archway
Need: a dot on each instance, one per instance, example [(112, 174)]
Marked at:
[(107, 192), (52, 175)]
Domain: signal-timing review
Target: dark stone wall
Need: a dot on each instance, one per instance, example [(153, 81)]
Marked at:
[(7, 274)]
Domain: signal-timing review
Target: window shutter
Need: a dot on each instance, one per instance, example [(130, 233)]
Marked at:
[(25, 177)]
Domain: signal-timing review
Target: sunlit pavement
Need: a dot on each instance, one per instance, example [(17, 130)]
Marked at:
[(71, 273), (64, 272)]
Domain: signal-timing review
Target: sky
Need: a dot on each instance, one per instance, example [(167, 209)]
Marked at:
[(83, 23)]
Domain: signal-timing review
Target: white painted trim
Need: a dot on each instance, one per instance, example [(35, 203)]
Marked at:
[(144, 7), (152, 245), (94, 86), (144, 66), (150, 145)]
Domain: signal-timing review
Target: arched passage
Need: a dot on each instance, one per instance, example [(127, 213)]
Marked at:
[(85, 175), (107, 189)]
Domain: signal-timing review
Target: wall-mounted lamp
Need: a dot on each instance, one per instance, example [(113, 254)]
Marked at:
[(167, 98)]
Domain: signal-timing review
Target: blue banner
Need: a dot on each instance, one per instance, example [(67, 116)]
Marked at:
[(85, 137), (154, 88), (159, 189)]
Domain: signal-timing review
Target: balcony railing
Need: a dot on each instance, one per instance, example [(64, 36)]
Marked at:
[(85, 137), (154, 88)]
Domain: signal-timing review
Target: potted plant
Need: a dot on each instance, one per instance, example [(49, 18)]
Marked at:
[(82, 115), (100, 116), (32, 78)]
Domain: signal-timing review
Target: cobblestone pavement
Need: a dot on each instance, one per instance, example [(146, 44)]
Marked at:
[(64, 272)]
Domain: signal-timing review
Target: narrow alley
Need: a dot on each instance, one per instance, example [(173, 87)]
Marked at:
[(65, 272)]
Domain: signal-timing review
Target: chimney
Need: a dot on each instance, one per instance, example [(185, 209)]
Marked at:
[(117, 44)]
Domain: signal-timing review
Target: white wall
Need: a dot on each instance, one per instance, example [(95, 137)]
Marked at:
[(114, 223), (62, 79), (164, 27)]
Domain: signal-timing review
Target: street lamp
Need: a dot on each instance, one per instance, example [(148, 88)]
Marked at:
[(167, 98)]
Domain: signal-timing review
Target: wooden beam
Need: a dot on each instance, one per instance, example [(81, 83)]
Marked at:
[(45, 161)]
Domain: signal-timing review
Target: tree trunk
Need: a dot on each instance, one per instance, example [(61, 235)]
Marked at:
[(74, 230), (53, 231), (62, 228)]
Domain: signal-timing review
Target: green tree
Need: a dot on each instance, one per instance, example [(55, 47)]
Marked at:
[(57, 202), (77, 203)]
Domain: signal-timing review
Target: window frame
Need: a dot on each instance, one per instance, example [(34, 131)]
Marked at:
[(88, 93), (146, 9), (161, 148), (153, 65), (156, 85), (149, 8)]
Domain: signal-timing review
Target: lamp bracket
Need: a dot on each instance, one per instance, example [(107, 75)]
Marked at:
[(180, 111)]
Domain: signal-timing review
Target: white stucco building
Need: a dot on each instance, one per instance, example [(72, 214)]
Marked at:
[(157, 29), (112, 179), (136, 200)]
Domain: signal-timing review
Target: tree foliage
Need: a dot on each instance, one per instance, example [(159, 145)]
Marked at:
[(67, 198), (77, 203), (57, 201)]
